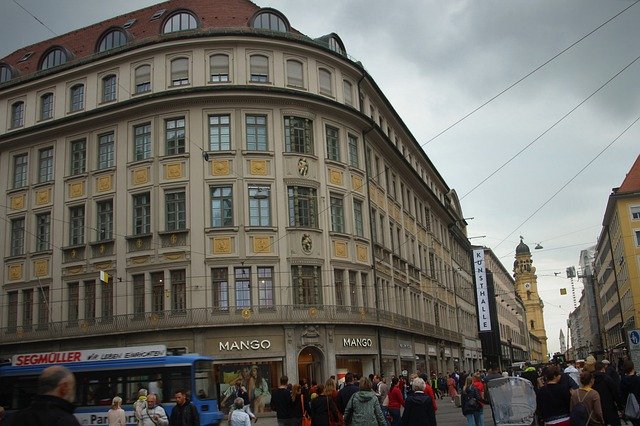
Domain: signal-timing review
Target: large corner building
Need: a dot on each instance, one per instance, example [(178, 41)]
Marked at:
[(250, 192)]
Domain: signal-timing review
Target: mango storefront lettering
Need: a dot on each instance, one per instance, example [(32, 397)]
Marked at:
[(245, 345), (354, 342)]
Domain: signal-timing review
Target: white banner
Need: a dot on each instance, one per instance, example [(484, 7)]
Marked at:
[(68, 357), (484, 317)]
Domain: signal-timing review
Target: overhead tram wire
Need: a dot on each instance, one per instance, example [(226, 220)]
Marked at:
[(517, 154), (37, 19), (572, 178), (538, 68)]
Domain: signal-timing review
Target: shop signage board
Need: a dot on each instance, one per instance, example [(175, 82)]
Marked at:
[(86, 355), (484, 317)]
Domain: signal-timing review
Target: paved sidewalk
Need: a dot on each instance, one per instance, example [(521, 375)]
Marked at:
[(447, 415)]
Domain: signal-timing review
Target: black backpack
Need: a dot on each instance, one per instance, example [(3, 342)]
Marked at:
[(579, 415)]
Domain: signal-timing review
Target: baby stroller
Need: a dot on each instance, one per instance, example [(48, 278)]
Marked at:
[(513, 401)]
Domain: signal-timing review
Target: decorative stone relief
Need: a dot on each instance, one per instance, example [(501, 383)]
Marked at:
[(340, 248), (15, 272), (220, 167), (222, 245), (356, 184), (258, 167), (262, 244), (335, 177), (104, 183), (362, 253), (140, 176), (76, 189), (173, 171), (41, 267), (43, 196), (307, 243), (17, 202)]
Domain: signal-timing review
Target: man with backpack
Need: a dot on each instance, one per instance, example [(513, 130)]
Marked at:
[(585, 408)]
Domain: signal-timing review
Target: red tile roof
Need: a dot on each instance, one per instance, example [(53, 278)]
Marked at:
[(82, 43), (631, 182)]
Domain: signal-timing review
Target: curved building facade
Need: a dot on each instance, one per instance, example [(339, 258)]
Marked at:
[(249, 191)]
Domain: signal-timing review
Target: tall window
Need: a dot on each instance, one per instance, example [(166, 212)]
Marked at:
[(89, 300), (138, 296), (364, 278), (347, 89), (353, 285), (337, 213), (76, 225), (180, 72), (338, 283), (143, 78), (303, 206), (635, 212), (295, 76), (298, 135), (175, 207), (221, 206), (111, 40), (219, 68), (5, 74), (333, 143), (17, 236), (220, 289), (45, 166), (43, 232), (109, 86), (76, 97), (142, 141), (54, 58), (20, 170), (637, 238), (256, 128), (105, 220), (357, 218), (46, 106), (259, 206), (12, 310), (142, 214), (174, 136), (78, 157), (243, 287), (326, 86), (219, 132), (259, 69), (106, 151), (265, 287), (17, 114), (307, 284), (180, 22), (74, 303), (179, 291), (107, 302), (157, 292), (43, 307), (374, 226), (354, 158)]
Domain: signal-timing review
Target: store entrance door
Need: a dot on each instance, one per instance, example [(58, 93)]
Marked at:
[(310, 363)]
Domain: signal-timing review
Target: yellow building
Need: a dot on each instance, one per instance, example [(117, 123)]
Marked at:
[(617, 265), (527, 288)]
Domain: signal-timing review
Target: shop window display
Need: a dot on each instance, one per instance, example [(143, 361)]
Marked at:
[(251, 381)]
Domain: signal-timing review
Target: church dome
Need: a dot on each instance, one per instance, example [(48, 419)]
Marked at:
[(522, 248)]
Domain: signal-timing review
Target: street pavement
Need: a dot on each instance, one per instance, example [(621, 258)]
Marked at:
[(447, 415)]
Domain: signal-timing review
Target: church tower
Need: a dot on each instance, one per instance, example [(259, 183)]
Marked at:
[(524, 274)]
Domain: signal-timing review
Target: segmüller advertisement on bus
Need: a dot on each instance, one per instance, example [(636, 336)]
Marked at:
[(75, 356)]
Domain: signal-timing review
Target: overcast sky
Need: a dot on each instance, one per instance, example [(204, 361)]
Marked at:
[(437, 61)]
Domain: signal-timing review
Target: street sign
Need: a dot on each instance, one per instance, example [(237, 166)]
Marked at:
[(634, 346)]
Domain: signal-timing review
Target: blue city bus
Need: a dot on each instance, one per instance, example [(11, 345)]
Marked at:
[(102, 374)]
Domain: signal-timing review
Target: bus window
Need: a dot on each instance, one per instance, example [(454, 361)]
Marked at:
[(204, 383), (18, 392)]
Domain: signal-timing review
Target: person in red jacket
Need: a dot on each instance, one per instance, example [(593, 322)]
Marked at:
[(428, 390), (396, 400)]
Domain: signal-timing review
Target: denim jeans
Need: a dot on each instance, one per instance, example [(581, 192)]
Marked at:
[(475, 419)]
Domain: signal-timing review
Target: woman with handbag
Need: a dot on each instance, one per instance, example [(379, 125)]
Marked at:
[(363, 409), (471, 403), (297, 405), (323, 411), (396, 400)]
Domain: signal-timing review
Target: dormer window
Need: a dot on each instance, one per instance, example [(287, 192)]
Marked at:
[(111, 40), (270, 19), (53, 58), (5, 74), (336, 45), (181, 21)]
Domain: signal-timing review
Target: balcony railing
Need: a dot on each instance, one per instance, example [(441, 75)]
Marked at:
[(214, 317)]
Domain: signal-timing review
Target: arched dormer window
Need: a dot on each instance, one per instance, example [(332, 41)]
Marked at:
[(181, 21), (270, 19), (112, 39), (5, 74), (336, 45), (53, 58)]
